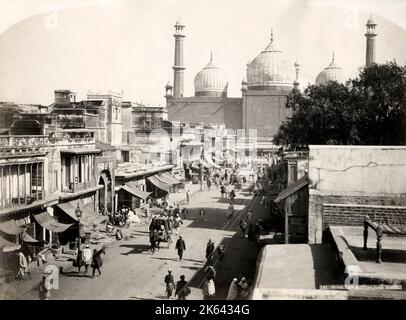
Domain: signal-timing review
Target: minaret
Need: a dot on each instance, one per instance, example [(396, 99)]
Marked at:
[(370, 35), (178, 67), (296, 82)]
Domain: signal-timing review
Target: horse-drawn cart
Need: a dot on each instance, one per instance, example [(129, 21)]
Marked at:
[(159, 231)]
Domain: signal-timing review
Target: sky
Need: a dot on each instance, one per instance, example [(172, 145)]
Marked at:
[(128, 46)]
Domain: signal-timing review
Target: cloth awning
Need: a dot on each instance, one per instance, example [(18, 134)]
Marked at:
[(136, 192), (8, 246), (168, 179), (171, 177), (29, 239), (159, 184), (49, 223), (68, 209), (292, 188), (12, 227)]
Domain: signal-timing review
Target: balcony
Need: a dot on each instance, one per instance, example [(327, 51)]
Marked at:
[(28, 144), (79, 186)]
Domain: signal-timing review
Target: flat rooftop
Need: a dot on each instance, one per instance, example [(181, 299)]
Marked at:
[(297, 266), (350, 240)]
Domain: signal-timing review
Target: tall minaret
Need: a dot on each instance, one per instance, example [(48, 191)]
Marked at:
[(178, 67), (370, 35)]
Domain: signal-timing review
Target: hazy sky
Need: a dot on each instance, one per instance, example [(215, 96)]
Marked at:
[(128, 45)]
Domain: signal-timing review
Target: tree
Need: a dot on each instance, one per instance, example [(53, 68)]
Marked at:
[(369, 109)]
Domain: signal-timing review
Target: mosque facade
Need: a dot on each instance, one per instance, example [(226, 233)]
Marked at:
[(264, 91), (262, 105)]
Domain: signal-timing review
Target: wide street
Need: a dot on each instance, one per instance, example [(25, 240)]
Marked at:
[(130, 271)]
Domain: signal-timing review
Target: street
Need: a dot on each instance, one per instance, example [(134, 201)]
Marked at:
[(130, 271)]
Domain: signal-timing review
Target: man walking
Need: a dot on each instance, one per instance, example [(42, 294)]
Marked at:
[(170, 284), (201, 212), (180, 246), (182, 288), (97, 261), (209, 249), (208, 183), (188, 197), (243, 227), (177, 221)]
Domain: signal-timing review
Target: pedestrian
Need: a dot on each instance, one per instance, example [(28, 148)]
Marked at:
[(22, 266), (230, 210), (188, 197), (170, 284), (180, 246), (182, 288), (176, 223), (264, 199), (233, 290), (201, 212), (43, 291), (208, 289), (220, 252), (184, 213), (244, 289), (97, 261), (153, 238), (79, 257), (208, 183), (243, 227), (87, 257), (249, 215), (222, 190), (232, 195), (209, 249)]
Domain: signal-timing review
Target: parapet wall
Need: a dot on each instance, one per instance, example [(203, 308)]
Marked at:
[(349, 182)]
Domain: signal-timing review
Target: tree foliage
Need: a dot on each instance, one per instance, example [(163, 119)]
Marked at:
[(368, 110)]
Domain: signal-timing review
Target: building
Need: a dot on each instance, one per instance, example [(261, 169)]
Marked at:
[(44, 180), (261, 107), (348, 182)]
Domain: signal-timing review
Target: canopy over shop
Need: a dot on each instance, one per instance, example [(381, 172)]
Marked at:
[(132, 196), (89, 219), (164, 183)]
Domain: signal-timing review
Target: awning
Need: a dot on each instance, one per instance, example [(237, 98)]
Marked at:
[(12, 227), (292, 188), (28, 239), (81, 151), (49, 223), (68, 209), (8, 246), (159, 184), (136, 192), (172, 178), (90, 216), (168, 179)]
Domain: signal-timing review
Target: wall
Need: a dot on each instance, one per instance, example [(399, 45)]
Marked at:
[(355, 178), (207, 110), (265, 111)]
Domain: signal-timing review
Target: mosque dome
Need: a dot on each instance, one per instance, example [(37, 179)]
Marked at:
[(209, 81), (331, 73), (268, 69)]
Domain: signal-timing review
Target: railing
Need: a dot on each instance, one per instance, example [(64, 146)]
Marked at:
[(30, 143), (78, 186), (21, 201)]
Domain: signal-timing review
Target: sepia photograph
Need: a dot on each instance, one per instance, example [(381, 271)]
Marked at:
[(166, 150)]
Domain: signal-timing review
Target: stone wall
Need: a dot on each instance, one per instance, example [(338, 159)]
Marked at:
[(207, 110), (265, 111), (348, 182)]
